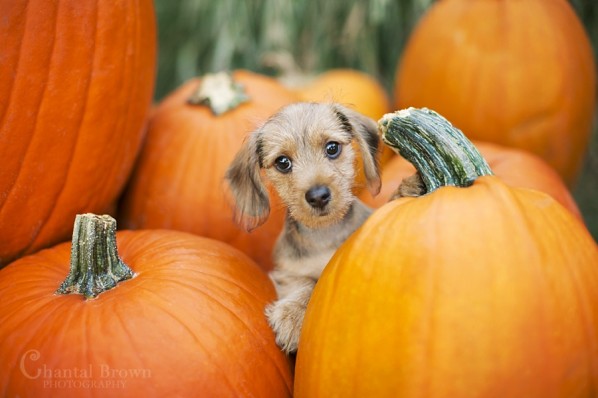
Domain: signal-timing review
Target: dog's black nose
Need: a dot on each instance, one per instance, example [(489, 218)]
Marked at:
[(318, 196)]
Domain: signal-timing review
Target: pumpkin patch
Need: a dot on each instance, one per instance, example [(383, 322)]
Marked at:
[(484, 286)]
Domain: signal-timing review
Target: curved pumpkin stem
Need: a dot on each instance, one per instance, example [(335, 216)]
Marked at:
[(219, 92), (439, 151), (95, 264)]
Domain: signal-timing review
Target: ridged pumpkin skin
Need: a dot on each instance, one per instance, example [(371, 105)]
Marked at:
[(515, 167), (76, 81), (179, 182), (516, 73), (486, 291), (189, 324)]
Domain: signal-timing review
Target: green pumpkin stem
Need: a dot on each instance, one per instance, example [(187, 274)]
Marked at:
[(219, 92), (95, 264), (439, 151)]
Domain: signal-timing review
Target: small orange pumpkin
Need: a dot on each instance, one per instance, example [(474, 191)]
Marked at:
[(515, 73), (477, 289), (179, 179), (350, 87), (186, 319), (76, 81)]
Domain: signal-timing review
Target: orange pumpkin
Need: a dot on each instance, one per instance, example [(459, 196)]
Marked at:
[(515, 167), (477, 289), (516, 73), (76, 81), (350, 87), (179, 179), (189, 323)]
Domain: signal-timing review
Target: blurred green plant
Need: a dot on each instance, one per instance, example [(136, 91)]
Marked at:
[(304, 37), (281, 36)]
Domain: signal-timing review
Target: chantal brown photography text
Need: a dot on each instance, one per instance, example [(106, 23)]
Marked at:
[(91, 376)]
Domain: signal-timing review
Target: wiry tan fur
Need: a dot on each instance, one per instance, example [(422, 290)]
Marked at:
[(310, 235)]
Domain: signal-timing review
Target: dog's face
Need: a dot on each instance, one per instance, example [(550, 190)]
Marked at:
[(307, 153), (307, 156)]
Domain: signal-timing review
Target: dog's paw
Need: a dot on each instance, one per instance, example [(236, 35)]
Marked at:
[(286, 318), (410, 186)]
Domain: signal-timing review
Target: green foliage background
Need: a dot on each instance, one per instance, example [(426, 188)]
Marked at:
[(304, 37)]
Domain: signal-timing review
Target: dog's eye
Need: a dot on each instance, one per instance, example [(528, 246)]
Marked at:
[(283, 164), (333, 149)]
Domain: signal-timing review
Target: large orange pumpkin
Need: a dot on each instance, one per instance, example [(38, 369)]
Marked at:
[(179, 182), (189, 323), (516, 73), (477, 289), (76, 81), (515, 167)]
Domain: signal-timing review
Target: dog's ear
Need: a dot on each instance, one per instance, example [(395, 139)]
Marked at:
[(365, 133), (249, 192)]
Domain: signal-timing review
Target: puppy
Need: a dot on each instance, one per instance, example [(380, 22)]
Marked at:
[(308, 153)]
